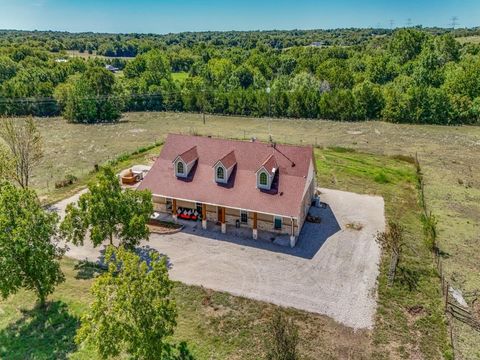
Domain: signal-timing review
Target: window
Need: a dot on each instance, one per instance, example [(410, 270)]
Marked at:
[(220, 173), (180, 168), (277, 222), (263, 179), (244, 216)]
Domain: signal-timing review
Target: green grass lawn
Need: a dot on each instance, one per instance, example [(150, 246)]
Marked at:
[(221, 326)]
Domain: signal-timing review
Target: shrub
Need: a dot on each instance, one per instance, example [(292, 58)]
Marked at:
[(282, 340)]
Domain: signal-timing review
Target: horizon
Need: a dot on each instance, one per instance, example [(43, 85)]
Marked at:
[(162, 17)]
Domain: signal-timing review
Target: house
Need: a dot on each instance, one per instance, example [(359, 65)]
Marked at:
[(262, 186)]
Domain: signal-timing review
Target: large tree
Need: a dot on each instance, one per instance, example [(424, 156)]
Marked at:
[(108, 212), (29, 250), (24, 144), (133, 310), (90, 97)]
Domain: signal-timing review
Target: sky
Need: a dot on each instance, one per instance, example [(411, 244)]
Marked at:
[(173, 16)]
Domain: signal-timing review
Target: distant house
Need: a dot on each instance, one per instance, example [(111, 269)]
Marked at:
[(61, 60), (111, 68), (262, 186), (318, 43)]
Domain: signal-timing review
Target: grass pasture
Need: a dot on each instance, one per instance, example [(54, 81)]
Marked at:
[(474, 39), (449, 158)]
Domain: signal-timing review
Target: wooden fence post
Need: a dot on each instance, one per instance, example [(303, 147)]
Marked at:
[(446, 297)]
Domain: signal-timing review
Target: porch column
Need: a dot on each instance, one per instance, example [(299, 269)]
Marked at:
[(174, 209), (224, 225), (255, 231), (292, 233), (204, 216)]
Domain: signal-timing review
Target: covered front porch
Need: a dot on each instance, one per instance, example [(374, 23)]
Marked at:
[(240, 222)]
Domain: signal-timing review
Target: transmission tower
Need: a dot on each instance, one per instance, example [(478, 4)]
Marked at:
[(454, 22), (409, 22), (391, 22)]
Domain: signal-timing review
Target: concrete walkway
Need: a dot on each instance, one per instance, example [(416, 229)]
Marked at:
[(331, 271)]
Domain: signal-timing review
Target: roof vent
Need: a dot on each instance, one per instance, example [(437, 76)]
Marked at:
[(293, 164)]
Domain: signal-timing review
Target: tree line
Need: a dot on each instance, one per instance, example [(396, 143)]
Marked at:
[(410, 75)]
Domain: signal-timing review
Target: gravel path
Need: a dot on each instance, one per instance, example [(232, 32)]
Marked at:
[(331, 271)]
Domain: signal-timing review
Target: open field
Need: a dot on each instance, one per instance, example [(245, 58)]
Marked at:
[(86, 55), (475, 39), (449, 157)]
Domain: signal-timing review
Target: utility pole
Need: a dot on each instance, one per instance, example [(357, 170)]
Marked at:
[(269, 111)]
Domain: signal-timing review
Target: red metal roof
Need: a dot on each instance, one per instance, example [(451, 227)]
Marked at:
[(240, 192)]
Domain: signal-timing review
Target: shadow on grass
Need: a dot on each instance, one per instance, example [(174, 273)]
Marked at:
[(40, 334), (144, 252), (87, 270)]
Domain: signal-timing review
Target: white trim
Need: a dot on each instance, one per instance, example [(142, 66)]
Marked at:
[(263, 170), (225, 176), (180, 174), (228, 206)]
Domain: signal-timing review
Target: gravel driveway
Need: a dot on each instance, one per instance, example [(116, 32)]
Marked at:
[(332, 270)]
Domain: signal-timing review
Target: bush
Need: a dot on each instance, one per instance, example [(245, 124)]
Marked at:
[(282, 338), (69, 180)]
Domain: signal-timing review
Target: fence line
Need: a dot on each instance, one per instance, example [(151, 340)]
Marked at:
[(452, 309)]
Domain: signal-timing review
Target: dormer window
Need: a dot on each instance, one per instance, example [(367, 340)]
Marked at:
[(266, 173), (180, 168), (184, 162), (223, 168), (263, 181), (220, 174)]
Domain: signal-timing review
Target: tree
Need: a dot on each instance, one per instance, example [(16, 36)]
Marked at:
[(28, 244), (133, 310), (24, 143), (90, 97), (8, 68), (107, 212), (282, 338), (392, 241), (406, 44), (368, 99)]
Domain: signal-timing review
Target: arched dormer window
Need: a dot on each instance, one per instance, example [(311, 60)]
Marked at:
[(220, 173), (180, 168), (263, 179)]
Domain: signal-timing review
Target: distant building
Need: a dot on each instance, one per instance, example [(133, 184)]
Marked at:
[(318, 43), (61, 60), (111, 68)]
